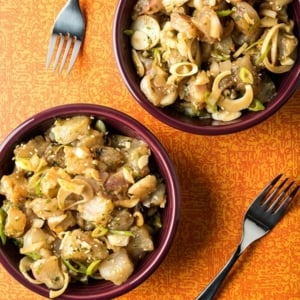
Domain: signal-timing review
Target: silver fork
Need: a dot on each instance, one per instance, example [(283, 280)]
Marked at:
[(69, 25), (262, 215)]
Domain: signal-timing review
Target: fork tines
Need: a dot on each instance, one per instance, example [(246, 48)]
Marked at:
[(279, 197), (65, 42)]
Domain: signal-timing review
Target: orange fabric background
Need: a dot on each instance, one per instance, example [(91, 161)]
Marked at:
[(219, 175)]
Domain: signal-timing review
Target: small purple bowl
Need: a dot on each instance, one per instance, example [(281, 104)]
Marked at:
[(123, 124), (286, 84)]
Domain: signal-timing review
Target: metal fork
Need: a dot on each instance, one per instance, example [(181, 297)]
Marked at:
[(69, 25), (262, 215)]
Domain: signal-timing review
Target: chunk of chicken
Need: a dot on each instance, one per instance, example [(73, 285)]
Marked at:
[(48, 271), (117, 185), (147, 7), (45, 208), (61, 223), (143, 188), (34, 240), (173, 5), (122, 219), (80, 245), (183, 23), (117, 267), (49, 181), (112, 158), (208, 23), (15, 222), (37, 146), (14, 187), (93, 139), (66, 131), (97, 210), (140, 243), (136, 153), (78, 159), (247, 21)]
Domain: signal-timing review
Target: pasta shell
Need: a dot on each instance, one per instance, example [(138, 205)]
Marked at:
[(240, 103)]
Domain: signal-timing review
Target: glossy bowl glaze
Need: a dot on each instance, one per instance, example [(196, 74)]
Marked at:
[(116, 122), (286, 84)]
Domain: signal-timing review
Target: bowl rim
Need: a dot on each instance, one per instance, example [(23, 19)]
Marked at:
[(291, 83), (161, 156)]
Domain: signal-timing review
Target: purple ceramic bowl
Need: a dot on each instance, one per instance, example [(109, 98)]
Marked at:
[(286, 84), (123, 124)]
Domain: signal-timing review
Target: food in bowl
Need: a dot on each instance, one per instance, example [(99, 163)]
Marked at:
[(81, 203), (211, 59)]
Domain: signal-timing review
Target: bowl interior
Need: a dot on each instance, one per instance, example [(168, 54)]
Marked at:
[(286, 84), (123, 124)]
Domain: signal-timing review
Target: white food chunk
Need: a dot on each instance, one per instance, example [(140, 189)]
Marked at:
[(45, 208), (15, 222), (47, 271), (143, 188), (68, 130), (80, 245), (97, 210), (140, 243), (158, 198), (117, 267), (78, 159), (118, 240), (13, 186), (48, 182), (35, 239), (61, 223)]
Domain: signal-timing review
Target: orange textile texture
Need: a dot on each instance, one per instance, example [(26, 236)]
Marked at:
[(219, 175)]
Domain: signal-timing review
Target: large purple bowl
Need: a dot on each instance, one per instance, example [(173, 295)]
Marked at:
[(286, 84), (123, 124)]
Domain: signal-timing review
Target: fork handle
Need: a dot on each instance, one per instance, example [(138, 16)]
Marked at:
[(213, 287)]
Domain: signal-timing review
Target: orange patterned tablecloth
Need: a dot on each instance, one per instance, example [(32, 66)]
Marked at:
[(219, 175)]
